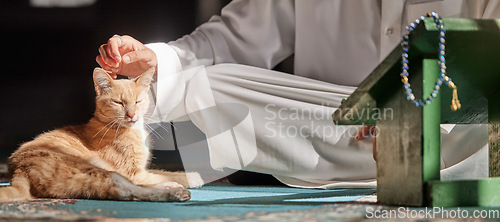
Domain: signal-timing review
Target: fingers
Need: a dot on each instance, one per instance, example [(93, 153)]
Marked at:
[(110, 52), (114, 44), (126, 56), (105, 54), (144, 55), (364, 131), (111, 71)]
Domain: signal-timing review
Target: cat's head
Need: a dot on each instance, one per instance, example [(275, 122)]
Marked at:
[(123, 100)]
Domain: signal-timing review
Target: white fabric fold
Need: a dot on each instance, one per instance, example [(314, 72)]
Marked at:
[(169, 87), (270, 122)]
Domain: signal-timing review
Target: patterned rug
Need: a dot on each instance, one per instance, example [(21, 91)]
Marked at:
[(224, 202), (212, 202)]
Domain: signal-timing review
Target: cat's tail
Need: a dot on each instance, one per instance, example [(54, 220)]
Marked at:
[(18, 190)]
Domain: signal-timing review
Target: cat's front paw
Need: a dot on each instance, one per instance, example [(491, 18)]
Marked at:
[(194, 179), (179, 194)]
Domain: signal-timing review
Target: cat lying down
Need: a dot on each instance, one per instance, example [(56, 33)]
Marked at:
[(106, 158)]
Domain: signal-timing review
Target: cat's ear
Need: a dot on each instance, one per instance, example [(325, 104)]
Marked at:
[(102, 81), (145, 79)]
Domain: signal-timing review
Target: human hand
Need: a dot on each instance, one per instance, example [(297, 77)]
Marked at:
[(366, 130), (125, 56)]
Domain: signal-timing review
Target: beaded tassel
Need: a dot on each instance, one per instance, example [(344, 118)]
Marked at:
[(455, 103)]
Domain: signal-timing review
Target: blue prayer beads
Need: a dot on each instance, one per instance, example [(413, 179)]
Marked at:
[(442, 62)]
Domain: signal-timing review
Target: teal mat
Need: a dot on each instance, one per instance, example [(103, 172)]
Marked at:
[(208, 201), (216, 201)]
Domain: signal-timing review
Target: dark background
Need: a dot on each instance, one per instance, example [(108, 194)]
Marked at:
[(49, 54)]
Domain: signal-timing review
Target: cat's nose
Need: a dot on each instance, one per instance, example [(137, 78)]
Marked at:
[(131, 114)]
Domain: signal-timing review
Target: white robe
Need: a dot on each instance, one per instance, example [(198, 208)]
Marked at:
[(270, 122)]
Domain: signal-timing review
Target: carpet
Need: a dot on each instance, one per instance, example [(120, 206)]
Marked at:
[(213, 201)]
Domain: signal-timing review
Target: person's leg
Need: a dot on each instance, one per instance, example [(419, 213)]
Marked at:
[(276, 123)]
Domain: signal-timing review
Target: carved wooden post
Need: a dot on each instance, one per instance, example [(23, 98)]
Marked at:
[(408, 146)]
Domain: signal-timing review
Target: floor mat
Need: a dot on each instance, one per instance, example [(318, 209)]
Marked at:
[(210, 201)]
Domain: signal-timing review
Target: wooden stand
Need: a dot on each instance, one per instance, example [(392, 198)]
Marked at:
[(408, 142)]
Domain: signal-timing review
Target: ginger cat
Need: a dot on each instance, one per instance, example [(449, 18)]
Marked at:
[(103, 159)]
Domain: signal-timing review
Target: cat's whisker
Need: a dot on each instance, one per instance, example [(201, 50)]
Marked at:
[(103, 128), (154, 121), (118, 128), (163, 127), (114, 122), (156, 134), (150, 129), (171, 124)]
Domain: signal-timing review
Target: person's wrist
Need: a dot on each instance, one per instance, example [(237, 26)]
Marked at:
[(154, 61)]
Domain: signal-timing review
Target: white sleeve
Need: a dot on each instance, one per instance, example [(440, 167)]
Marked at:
[(167, 89), (253, 32), (168, 60)]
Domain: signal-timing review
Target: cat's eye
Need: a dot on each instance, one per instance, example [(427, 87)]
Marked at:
[(138, 101), (118, 102)]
